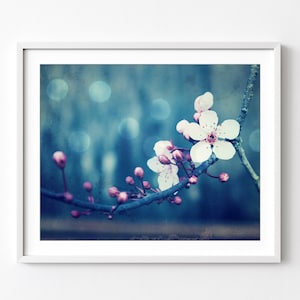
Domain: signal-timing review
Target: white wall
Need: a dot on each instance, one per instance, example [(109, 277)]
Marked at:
[(156, 20)]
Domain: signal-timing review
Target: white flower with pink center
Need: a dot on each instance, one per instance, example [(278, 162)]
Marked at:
[(167, 172), (213, 138)]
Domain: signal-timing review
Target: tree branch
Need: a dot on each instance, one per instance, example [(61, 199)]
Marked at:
[(248, 94), (134, 203), (247, 98)]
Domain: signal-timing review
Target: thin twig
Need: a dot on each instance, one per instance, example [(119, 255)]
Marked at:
[(243, 157)]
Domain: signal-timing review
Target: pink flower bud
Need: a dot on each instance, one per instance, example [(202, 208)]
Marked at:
[(113, 191), (68, 197), (171, 146), (122, 197), (60, 159), (163, 159), (129, 180), (75, 214), (177, 155), (223, 177), (193, 179), (87, 186), (146, 185), (177, 200), (139, 172)]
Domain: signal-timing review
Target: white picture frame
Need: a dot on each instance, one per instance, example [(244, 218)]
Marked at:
[(33, 250)]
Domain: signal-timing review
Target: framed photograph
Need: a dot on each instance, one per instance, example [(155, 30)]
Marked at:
[(149, 153)]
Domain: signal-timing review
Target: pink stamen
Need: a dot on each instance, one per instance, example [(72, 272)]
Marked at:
[(212, 138)]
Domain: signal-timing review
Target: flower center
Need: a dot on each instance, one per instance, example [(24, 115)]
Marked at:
[(211, 138)]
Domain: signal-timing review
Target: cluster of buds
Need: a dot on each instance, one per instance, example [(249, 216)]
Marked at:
[(177, 157), (88, 188), (183, 161), (138, 190), (60, 159)]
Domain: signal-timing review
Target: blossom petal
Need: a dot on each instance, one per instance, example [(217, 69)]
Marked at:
[(204, 102), (154, 165), (229, 129), (208, 121), (181, 125), (175, 179), (161, 148), (201, 152), (223, 150), (194, 131), (167, 179), (173, 169)]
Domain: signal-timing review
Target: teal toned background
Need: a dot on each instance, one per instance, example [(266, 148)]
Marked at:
[(106, 118)]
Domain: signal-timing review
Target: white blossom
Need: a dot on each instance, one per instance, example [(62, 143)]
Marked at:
[(167, 173), (212, 138)]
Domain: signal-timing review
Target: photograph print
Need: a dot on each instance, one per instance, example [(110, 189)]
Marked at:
[(150, 152)]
